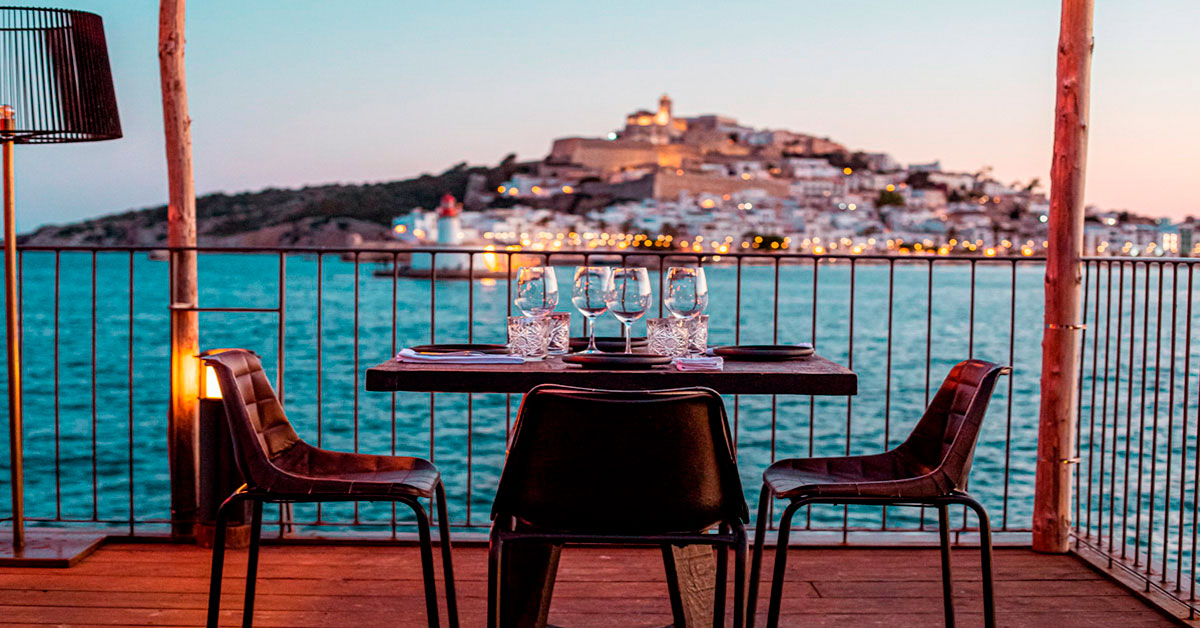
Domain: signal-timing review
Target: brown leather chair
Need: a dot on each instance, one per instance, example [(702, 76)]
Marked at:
[(279, 467), (645, 467), (930, 468)]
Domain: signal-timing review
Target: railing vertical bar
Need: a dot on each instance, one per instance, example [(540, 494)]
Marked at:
[(970, 354), (432, 340), (1154, 427), (354, 360), (281, 353), (1137, 529), (1195, 494), (508, 312), (1086, 519), (395, 285), (774, 340), (320, 356), (1129, 408), (129, 394), (1091, 405), (887, 375), (1104, 396), (928, 350), (812, 404), (1183, 422), (1116, 415), (95, 477), (470, 397), (849, 399), (57, 417), (1012, 335), (737, 339), (1170, 418)]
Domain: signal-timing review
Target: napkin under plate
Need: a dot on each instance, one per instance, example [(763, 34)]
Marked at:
[(463, 357)]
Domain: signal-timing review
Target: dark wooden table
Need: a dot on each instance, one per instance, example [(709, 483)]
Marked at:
[(529, 580)]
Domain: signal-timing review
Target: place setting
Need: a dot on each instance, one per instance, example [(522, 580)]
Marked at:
[(540, 333)]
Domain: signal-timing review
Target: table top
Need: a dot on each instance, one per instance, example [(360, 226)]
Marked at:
[(812, 375)]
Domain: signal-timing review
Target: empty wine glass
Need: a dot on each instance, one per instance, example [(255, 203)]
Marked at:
[(588, 295), (629, 298), (537, 290), (687, 293)]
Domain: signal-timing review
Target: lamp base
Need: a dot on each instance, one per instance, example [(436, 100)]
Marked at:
[(48, 548)]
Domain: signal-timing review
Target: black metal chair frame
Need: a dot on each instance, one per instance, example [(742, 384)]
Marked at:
[(729, 535), (258, 498), (941, 503)]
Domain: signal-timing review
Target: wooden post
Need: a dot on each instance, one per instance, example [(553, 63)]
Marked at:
[(1060, 343), (181, 232)]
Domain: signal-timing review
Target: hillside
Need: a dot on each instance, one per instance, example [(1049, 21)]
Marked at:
[(316, 215)]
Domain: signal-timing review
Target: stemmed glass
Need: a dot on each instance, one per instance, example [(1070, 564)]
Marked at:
[(537, 290), (687, 293), (628, 298), (588, 295)]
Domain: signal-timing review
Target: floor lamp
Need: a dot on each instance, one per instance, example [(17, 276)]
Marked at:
[(55, 87)]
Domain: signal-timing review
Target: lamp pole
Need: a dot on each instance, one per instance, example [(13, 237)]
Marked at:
[(12, 329)]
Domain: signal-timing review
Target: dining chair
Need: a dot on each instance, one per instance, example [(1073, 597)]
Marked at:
[(929, 468), (628, 467), (279, 467)]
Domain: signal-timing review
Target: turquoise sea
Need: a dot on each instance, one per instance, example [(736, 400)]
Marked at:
[(97, 449)]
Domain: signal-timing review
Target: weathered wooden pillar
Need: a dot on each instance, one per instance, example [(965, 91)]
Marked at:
[(1060, 342), (181, 235)]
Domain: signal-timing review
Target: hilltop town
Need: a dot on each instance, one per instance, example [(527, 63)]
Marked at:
[(704, 183), (709, 183)]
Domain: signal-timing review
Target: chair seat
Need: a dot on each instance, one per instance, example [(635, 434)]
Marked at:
[(310, 470), (882, 475)]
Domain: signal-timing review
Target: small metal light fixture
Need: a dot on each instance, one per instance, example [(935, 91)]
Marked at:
[(219, 475), (55, 87)]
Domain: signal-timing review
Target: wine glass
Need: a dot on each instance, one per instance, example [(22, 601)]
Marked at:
[(687, 293), (628, 297), (537, 290), (588, 295)]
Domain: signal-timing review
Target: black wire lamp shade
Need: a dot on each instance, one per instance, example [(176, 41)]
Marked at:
[(54, 73)]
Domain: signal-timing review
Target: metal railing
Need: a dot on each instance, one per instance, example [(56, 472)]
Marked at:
[(1136, 486), (96, 362)]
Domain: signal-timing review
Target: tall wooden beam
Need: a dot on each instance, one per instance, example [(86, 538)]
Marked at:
[(1060, 342), (181, 234)]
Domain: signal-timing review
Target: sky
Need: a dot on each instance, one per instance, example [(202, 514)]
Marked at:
[(286, 93)]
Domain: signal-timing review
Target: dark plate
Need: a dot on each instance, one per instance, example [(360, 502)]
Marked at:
[(763, 353), (452, 348), (612, 344), (617, 361)]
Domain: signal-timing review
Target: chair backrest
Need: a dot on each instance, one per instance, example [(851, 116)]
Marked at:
[(621, 462), (943, 442), (260, 430)]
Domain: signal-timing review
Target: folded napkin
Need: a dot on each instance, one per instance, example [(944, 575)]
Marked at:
[(457, 357), (715, 363)]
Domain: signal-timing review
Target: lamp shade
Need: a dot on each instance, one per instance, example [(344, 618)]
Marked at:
[(54, 73)]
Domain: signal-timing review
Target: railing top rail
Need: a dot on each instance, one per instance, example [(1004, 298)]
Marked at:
[(425, 250)]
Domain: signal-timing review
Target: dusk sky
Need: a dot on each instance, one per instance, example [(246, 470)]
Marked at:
[(288, 93)]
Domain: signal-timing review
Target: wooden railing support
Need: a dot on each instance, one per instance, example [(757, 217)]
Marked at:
[(181, 232), (1060, 342)]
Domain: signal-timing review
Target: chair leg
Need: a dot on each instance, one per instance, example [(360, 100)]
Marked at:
[(493, 598), (677, 616), (739, 574), (781, 547), (985, 558), (760, 533), (447, 559), (431, 606), (722, 576), (252, 565), (218, 560), (947, 581)]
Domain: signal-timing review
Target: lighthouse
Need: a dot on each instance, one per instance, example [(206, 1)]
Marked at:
[(449, 226)]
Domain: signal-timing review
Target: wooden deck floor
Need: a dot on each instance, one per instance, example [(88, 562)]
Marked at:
[(166, 585)]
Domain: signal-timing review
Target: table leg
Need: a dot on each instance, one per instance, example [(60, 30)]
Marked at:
[(528, 570), (691, 579)]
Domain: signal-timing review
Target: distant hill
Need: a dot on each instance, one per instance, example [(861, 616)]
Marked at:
[(317, 215)]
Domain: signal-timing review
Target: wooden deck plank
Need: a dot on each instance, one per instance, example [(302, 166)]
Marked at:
[(334, 586)]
